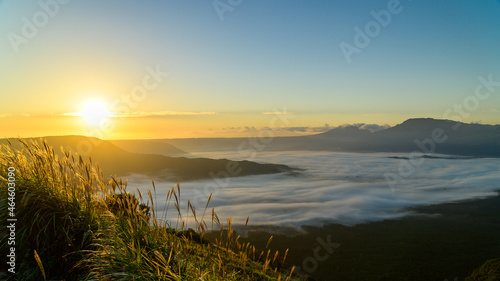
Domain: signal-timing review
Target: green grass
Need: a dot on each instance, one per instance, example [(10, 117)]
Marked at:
[(74, 224)]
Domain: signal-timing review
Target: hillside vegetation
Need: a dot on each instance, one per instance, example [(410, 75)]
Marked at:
[(114, 160), (74, 224)]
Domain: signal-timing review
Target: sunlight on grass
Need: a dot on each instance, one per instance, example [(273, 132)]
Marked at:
[(74, 224)]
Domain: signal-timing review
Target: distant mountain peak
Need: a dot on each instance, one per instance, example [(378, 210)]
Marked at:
[(420, 123), (347, 130), (425, 120)]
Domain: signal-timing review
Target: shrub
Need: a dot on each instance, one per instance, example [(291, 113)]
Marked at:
[(489, 271), (126, 204)]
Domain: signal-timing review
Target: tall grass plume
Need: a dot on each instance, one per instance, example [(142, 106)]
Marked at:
[(74, 224)]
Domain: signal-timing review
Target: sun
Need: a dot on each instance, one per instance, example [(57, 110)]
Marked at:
[(94, 111)]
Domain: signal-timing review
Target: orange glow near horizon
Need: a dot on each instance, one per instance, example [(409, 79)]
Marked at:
[(91, 70), (100, 123), (91, 116)]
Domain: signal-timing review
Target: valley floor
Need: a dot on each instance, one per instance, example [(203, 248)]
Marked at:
[(446, 241)]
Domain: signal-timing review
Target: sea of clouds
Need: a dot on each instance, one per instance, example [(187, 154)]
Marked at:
[(346, 188)]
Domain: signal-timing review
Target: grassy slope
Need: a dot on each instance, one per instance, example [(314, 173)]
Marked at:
[(116, 161), (83, 227)]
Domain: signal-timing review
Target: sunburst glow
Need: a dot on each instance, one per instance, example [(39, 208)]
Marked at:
[(94, 111)]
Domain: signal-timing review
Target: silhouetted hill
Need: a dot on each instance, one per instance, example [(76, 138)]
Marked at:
[(474, 140), (149, 147), (459, 138), (116, 161)]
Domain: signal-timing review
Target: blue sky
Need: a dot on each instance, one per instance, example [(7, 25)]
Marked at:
[(262, 55)]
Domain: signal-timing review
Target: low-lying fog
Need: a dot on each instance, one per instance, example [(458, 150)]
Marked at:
[(347, 188)]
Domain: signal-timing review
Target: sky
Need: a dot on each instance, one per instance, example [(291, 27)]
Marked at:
[(185, 68)]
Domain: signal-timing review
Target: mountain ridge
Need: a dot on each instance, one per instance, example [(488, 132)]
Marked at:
[(474, 140), (114, 160)]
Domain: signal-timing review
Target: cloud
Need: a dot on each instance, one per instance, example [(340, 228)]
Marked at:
[(308, 129), (147, 114), (277, 113), (246, 129), (71, 114), (12, 115), (162, 113), (281, 131), (370, 127), (345, 188), (326, 127), (299, 130), (374, 127), (296, 129)]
